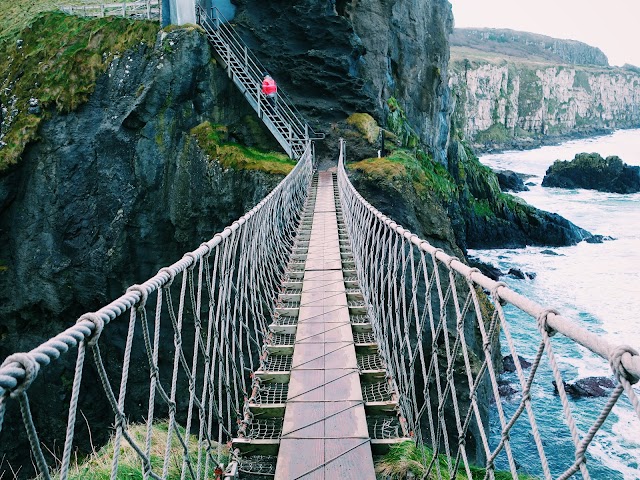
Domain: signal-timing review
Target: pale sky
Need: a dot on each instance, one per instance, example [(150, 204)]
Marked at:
[(612, 25)]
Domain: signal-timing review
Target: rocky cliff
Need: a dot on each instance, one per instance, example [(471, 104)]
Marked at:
[(109, 194), (346, 56), (504, 100)]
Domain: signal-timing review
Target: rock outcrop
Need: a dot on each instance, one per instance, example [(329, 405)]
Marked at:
[(591, 171), (514, 101), (588, 387), (111, 193), (511, 181), (484, 217)]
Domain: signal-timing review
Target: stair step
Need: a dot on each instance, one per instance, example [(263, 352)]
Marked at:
[(268, 410), (283, 328), (273, 376), (256, 447)]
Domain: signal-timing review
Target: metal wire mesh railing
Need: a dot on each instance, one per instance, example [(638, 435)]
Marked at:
[(440, 325), (213, 307)]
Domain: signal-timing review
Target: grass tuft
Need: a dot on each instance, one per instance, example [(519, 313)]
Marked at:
[(98, 465), (212, 140), (407, 457)]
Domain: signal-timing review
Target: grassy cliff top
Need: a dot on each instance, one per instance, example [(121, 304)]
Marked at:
[(477, 57), (15, 15), (402, 164), (51, 61), (527, 45)]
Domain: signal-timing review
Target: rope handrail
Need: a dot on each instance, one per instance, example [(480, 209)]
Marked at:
[(431, 320), (239, 270), (565, 326)]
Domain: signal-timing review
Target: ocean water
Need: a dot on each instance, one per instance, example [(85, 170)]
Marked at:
[(596, 285)]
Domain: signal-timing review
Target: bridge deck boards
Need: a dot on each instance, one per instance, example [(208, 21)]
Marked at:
[(325, 431)]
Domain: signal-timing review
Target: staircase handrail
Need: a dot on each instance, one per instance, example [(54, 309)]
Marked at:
[(223, 27)]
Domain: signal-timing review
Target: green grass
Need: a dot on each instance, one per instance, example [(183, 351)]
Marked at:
[(98, 465), (58, 62), (212, 140), (408, 457), (496, 133), (425, 174)]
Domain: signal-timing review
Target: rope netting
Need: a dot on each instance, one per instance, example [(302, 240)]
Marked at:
[(213, 307), (443, 328)]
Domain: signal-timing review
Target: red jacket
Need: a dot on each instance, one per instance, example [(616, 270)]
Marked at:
[(269, 87)]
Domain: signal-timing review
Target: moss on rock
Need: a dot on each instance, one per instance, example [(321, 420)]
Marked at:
[(98, 465), (366, 125), (55, 65), (212, 139)]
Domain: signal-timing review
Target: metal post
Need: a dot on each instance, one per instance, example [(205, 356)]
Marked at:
[(246, 58), (148, 9), (102, 10), (124, 8), (259, 103)]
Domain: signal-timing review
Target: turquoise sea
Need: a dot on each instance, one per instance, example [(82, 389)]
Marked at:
[(597, 285)]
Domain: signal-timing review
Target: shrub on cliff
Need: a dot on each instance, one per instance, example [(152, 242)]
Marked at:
[(591, 171)]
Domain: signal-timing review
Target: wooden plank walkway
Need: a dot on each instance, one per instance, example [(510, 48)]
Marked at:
[(325, 430)]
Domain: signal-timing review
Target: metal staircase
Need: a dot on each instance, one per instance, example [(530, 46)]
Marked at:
[(283, 120)]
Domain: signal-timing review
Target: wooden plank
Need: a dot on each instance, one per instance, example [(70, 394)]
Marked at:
[(305, 458), (349, 459)]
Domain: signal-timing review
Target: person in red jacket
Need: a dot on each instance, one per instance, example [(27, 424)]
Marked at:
[(270, 89)]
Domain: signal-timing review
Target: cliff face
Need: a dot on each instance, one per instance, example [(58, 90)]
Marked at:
[(336, 58), (506, 100), (111, 193)]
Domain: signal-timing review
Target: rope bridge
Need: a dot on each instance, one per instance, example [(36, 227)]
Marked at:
[(435, 321)]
